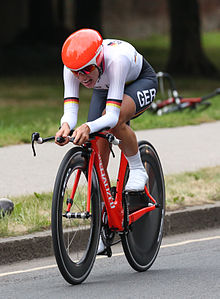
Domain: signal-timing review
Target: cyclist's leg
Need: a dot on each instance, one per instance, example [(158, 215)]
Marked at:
[(97, 106), (137, 98), (129, 146)]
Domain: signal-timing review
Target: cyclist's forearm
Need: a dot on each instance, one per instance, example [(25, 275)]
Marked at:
[(70, 119), (108, 120), (71, 108)]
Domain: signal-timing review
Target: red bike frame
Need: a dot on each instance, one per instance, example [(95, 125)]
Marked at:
[(113, 206)]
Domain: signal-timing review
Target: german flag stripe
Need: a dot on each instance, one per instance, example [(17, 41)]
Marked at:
[(115, 103), (71, 101), (140, 112)]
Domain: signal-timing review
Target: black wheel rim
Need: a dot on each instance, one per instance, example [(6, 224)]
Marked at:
[(145, 236)]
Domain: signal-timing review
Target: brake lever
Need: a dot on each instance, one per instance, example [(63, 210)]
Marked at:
[(34, 137), (112, 140)]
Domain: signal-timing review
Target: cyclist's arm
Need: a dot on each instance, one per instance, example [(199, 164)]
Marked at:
[(71, 98), (108, 120), (71, 107), (117, 75)]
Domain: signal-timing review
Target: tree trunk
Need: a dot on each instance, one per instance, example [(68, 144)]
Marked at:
[(41, 17), (88, 14), (42, 24), (186, 53), (61, 13)]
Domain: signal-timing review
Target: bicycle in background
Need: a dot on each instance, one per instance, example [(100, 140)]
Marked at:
[(79, 217), (171, 101)]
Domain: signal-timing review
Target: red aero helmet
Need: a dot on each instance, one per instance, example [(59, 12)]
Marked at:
[(82, 48)]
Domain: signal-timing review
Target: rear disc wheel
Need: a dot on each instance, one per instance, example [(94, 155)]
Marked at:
[(142, 242)]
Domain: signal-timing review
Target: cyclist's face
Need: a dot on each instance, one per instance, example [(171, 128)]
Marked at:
[(88, 80)]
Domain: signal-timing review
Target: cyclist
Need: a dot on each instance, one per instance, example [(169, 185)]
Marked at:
[(124, 85)]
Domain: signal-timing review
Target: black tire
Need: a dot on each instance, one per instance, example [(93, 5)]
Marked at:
[(75, 241), (141, 244)]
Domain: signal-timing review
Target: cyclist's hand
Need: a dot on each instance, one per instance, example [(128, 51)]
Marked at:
[(63, 132), (81, 134)]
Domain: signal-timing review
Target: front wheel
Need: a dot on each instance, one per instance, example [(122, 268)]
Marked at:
[(75, 240), (141, 244)]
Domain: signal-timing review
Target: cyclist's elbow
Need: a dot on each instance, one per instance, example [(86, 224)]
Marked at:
[(114, 122)]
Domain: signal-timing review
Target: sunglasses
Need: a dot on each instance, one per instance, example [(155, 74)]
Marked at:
[(86, 71)]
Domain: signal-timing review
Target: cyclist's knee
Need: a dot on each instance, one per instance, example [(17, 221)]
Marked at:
[(120, 127)]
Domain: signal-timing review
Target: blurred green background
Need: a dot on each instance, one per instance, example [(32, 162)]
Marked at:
[(31, 86)]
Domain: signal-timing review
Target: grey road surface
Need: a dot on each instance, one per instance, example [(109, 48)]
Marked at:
[(180, 149), (188, 266)]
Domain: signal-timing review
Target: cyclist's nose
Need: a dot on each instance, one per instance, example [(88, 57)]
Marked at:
[(82, 76)]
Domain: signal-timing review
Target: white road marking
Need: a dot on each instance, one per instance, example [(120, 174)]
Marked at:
[(190, 241), (114, 255), (28, 270)]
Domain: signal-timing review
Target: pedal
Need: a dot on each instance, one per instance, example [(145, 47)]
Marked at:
[(107, 252)]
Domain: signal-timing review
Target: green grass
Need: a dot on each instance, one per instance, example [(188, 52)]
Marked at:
[(31, 103), (193, 188), (33, 213)]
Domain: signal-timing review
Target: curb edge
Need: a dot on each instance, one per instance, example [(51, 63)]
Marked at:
[(39, 245)]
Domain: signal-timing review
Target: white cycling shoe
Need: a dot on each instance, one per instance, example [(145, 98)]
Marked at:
[(101, 247), (137, 180)]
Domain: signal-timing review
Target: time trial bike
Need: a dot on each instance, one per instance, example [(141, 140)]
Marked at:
[(79, 217)]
